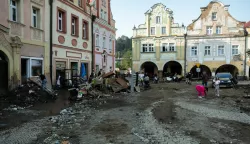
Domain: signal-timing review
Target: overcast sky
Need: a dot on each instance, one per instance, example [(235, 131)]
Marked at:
[(128, 13)]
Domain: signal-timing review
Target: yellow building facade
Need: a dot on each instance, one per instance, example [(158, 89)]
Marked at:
[(23, 46), (158, 45)]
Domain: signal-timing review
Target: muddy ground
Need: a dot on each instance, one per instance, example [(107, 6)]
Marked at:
[(167, 113)]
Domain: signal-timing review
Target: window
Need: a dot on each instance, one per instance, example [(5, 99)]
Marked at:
[(104, 3), (194, 51), (235, 49), (74, 25), (34, 17), (209, 30), (152, 30), (97, 40), (144, 47), (104, 42), (171, 47), (85, 30), (158, 19), (110, 44), (207, 50), (101, 13), (151, 48), (61, 20), (36, 67), (80, 3), (214, 15), (164, 47), (218, 30), (13, 10), (220, 50), (163, 30), (104, 16)]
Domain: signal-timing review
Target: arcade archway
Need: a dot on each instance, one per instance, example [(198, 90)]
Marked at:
[(172, 67), (150, 68), (228, 68), (203, 68), (3, 71)]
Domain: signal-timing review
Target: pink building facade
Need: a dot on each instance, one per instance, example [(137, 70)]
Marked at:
[(104, 36)]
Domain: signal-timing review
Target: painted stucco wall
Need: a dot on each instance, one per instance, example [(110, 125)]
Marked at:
[(4, 13), (68, 37), (231, 34), (142, 35)]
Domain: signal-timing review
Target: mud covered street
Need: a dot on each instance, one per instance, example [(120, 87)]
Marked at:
[(167, 113)]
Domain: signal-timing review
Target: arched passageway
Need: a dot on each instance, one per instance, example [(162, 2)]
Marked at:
[(150, 68), (3, 71), (172, 67), (203, 68), (228, 68)]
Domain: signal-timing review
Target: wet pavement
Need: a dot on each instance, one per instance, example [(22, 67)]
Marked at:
[(167, 113), (14, 118)]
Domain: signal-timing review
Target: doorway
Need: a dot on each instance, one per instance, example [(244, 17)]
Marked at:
[(74, 68), (3, 72), (84, 70), (24, 69)]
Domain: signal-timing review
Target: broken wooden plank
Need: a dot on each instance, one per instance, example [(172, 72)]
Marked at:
[(122, 82), (108, 75)]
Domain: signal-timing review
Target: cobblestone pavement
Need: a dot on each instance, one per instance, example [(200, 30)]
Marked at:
[(167, 113)]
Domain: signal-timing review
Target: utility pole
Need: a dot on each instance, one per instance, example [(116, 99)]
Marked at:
[(185, 53), (51, 39)]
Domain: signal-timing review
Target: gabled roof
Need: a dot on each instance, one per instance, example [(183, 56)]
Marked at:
[(190, 26), (158, 4)]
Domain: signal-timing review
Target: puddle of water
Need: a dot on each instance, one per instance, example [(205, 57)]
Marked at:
[(10, 119)]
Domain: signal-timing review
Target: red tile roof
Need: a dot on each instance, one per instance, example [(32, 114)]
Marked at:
[(247, 25)]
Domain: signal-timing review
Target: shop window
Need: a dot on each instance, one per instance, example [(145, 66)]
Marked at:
[(36, 67)]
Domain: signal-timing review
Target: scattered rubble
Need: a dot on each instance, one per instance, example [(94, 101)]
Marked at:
[(27, 94)]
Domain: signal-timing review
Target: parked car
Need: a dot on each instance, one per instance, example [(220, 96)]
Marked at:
[(226, 80)]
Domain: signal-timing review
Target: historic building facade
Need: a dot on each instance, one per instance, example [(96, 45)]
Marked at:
[(104, 36), (23, 46), (216, 42), (71, 38), (158, 45), (247, 30)]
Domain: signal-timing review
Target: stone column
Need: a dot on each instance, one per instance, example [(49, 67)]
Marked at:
[(16, 45)]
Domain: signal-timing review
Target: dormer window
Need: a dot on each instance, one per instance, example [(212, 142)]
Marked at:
[(158, 19), (214, 16)]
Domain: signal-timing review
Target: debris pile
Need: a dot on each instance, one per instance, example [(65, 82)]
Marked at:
[(28, 94), (100, 86)]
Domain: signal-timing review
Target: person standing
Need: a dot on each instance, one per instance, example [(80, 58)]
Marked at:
[(204, 79), (44, 81), (217, 86)]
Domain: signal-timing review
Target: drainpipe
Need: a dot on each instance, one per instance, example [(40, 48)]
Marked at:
[(245, 59), (51, 38), (185, 53), (93, 17)]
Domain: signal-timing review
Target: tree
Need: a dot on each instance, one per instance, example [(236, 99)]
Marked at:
[(123, 44), (126, 60)]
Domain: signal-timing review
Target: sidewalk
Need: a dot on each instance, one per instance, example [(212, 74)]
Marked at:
[(244, 82)]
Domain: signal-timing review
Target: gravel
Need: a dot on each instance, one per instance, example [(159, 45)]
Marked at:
[(216, 113)]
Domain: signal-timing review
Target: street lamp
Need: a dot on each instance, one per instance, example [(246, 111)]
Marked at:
[(185, 47)]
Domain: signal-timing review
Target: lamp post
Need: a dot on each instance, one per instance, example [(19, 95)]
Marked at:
[(185, 51)]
